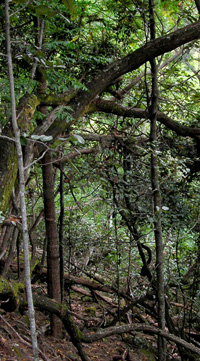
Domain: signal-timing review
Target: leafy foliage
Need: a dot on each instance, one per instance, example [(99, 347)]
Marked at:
[(104, 155)]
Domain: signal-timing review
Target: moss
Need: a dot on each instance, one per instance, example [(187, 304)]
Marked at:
[(8, 178), (79, 333), (9, 291), (149, 354), (34, 265), (64, 309), (18, 352), (29, 111), (91, 310), (8, 154), (4, 286), (56, 100), (26, 320), (17, 287), (87, 299)]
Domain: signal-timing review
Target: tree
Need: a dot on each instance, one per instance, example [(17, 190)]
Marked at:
[(97, 85), (53, 264), (79, 101), (157, 204), (16, 132)]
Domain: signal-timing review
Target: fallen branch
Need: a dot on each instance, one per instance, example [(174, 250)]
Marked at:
[(105, 299), (98, 294), (52, 306), (94, 285), (44, 303), (118, 330), (69, 279), (81, 290)]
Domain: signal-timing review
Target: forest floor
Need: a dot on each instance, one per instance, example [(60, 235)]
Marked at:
[(15, 339)]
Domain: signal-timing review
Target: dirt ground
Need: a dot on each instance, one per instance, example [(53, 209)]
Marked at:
[(15, 343)]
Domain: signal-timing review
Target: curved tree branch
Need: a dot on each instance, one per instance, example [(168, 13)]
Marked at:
[(47, 304), (80, 103), (110, 107)]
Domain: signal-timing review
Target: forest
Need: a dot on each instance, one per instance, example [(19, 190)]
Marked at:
[(99, 180)]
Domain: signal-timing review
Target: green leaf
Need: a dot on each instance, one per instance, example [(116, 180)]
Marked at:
[(42, 10), (23, 140), (42, 138), (68, 4)]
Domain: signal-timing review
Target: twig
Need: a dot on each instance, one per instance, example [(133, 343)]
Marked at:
[(7, 138)]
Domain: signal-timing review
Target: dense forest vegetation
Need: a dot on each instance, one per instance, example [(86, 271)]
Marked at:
[(99, 172)]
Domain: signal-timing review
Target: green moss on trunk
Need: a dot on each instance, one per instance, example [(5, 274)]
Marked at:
[(8, 155)]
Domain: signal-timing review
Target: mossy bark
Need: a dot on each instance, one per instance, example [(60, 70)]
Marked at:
[(9, 294), (8, 155), (8, 171)]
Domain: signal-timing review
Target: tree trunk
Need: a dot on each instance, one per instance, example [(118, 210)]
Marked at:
[(157, 197), (11, 252), (53, 257), (16, 132), (61, 230)]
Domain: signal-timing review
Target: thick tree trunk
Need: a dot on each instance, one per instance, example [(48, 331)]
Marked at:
[(53, 257), (61, 231), (8, 154)]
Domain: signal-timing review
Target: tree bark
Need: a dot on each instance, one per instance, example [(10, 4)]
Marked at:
[(53, 256), (61, 231), (11, 252), (153, 109), (16, 132)]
